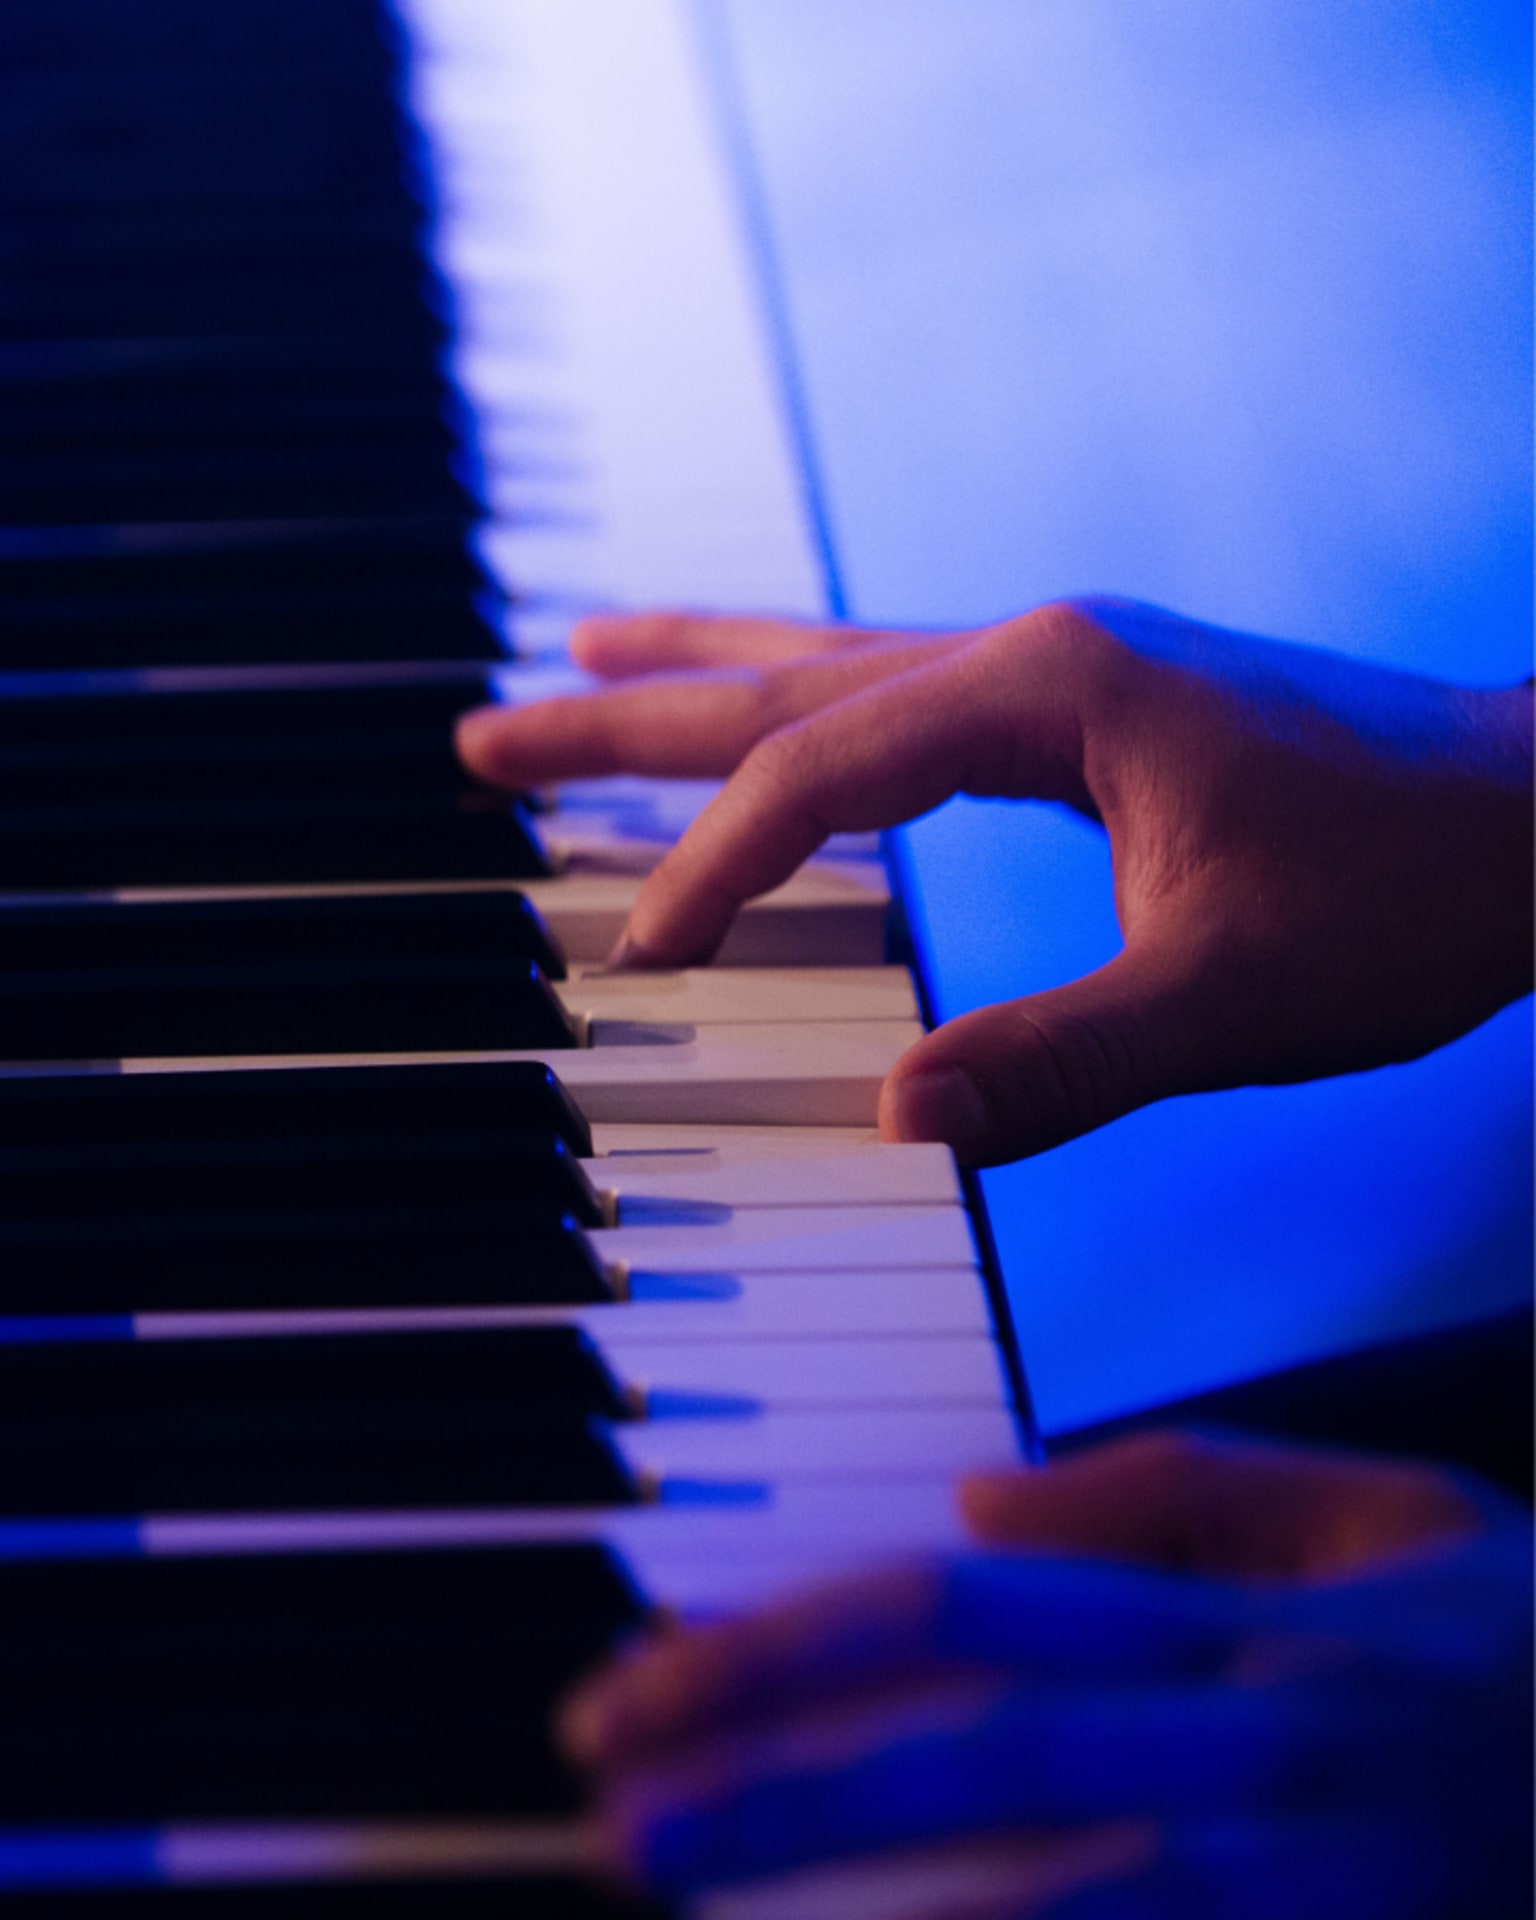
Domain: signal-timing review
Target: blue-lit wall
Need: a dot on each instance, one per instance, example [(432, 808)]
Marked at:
[(1223, 304)]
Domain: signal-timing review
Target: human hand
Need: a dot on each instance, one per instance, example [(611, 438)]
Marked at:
[(1196, 1679), (1320, 865)]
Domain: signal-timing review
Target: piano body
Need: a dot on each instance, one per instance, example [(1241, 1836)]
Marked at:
[(395, 1307)]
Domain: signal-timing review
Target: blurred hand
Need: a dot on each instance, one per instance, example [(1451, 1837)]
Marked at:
[(1320, 865), (1218, 1679)]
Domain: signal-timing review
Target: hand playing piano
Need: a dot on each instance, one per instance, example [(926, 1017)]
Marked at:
[(1190, 1678), (1320, 864)]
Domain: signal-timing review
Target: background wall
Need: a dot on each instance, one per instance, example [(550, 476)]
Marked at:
[(1223, 304)]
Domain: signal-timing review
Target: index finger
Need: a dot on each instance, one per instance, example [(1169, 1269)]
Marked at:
[(983, 718), (617, 646), (689, 725)]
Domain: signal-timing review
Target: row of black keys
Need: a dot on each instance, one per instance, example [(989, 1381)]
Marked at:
[(292, 1188), (492, 1417), (403, 973), (205, 215), (241, 186), (89, 596), (121, 789), (223, 414), (313, 1684), (323, 1684), (298, 1685)]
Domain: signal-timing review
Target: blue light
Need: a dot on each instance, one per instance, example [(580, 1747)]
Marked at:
[(82, 1857)]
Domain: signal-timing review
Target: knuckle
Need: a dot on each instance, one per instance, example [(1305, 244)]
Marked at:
[(1086, 641), (1080, 1069), (788, 759), (1166, 1455), (1070, 641), (778, 698)]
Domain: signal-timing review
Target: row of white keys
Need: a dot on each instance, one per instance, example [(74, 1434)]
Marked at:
[(770, 1346), (795, 1306), (608, 333), (733, 1048), (727, 1076), (786, 1296), (529, 196)]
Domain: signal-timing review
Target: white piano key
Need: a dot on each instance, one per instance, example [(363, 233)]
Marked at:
[(720, 1307), (764, 1167), (779, 1240), (875, 1370), (839, 1514), (712, 1308), (775, 1075), (831, 913), (697, 1591), (528, 196), (247, 1852), (877, 1443), (737, 995)]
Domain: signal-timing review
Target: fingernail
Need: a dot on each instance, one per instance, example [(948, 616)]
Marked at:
[(944, 1104), (627, 955)]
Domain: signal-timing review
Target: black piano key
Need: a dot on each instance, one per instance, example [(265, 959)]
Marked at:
[(449, 1004), (172, 720), (198, 126), (162, 566), (304, 1686), (87, 757), (255, 1262), (281, 627), (251, 593), (385, 470), (262, 842), (347, 37), (410, 764), (341, 1103), (523, 1174), (229, 826), (287, 1459), (538, 1372), (86, 936), (157, 275), (217, 390), (396, 1421), (133, 777)]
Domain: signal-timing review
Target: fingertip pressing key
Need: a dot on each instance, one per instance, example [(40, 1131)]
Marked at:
[(628, 956)]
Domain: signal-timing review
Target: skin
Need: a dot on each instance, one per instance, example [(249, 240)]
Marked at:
[(1320, 865), (1191, 1677), (1178, 1677)]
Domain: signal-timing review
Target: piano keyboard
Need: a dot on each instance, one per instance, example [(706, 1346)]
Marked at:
[(396, 1308)]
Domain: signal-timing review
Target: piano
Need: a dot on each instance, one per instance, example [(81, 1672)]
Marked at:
[(396, 1308)]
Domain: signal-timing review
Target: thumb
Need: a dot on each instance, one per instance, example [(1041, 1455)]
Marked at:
[(1017, 1078)]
